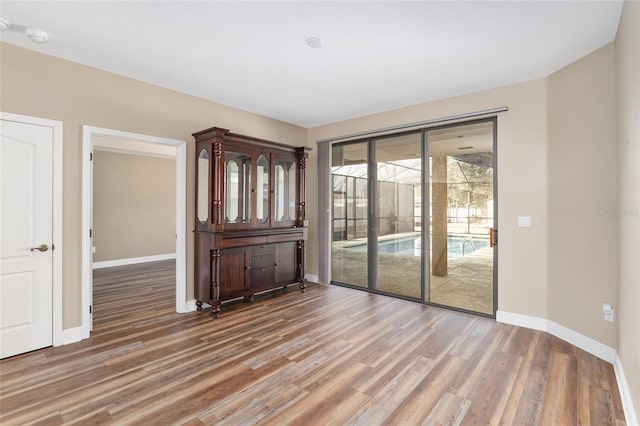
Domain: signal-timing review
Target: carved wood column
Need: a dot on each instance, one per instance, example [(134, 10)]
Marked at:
[(301, 270), (217, 181), (215, 283), (301, 219)]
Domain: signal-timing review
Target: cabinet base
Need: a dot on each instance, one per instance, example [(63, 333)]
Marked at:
[(216, 304)]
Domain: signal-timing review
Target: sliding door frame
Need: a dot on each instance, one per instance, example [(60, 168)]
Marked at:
[(426, 235), (373, 209), (372, 215)]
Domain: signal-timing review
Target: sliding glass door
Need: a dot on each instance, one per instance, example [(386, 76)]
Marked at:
[(461, 176), (349, 222), (398, 197), (413, 215), (376, 229)]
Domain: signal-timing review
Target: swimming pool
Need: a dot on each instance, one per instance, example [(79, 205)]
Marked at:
[(412, 246)]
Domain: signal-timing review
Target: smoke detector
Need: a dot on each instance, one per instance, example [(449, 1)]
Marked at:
[(315, 42)]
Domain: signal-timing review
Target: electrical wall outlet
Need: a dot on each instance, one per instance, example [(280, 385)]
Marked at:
[(607, 311)]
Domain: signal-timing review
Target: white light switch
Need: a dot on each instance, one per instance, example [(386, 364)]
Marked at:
[(607, 310), (524, 221)]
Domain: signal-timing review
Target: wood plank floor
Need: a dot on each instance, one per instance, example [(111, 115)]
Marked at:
[(329, 356)]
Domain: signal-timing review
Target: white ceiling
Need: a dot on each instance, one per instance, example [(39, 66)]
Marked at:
[(376, 55)]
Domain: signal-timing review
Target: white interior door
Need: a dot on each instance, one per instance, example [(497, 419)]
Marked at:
[(26, 218)]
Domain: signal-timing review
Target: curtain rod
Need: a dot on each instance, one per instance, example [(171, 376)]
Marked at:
[(416, 124)]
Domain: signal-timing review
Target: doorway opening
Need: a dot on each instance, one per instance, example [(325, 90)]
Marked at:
[(107, 141)]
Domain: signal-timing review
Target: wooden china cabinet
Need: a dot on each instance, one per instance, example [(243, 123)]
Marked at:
[(250, 216)]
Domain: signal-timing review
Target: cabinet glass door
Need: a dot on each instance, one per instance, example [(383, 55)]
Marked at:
[(203, 186), (237, 187), (262, 189), (285, 190)]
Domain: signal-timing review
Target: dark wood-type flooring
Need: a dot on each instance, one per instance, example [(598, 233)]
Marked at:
[(329, 356)]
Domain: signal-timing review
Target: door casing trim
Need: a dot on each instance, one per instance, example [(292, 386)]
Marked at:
[(88, 132)]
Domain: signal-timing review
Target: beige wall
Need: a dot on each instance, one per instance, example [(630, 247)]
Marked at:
[(134, 206), (43, 86), (522, 182), (628, 113), (582, 194)]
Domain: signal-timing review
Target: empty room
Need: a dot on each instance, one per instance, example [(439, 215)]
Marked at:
[(326, 213)]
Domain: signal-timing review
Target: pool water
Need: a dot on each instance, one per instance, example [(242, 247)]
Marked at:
[(412, 246)]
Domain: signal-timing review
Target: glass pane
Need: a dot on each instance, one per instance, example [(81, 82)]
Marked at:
[(399, 177), (231, 192), (262, 184), (461, 169), (349, 214), (203, 186), (285, 189), (237, 184)]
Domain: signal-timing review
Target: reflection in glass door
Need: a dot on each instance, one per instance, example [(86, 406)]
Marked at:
[(461, 169), (349, 222)]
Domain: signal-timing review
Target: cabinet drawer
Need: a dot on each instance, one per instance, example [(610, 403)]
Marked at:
[(262, 261), (262, 278), (262, 249)]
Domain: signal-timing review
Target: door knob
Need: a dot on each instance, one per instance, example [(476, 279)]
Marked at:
[(41, 247)]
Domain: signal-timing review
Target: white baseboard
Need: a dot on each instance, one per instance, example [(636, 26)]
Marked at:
[(630, 415), (522, 320), (583, 342), (133, 260), (71, 335), (312, 278)]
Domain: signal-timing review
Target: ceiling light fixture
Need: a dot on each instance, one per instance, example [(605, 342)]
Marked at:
[(314, 42), (35, 34)]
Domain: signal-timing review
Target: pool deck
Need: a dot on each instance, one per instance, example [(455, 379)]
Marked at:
[(468, 284)]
